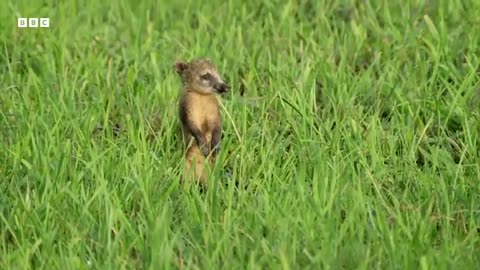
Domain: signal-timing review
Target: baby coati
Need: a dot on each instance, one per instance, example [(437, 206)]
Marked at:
[(199, 112)]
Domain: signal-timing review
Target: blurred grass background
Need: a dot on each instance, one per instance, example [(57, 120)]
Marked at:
[(357, 147)]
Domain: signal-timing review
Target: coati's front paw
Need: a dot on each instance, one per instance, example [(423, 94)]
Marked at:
[(205, 150), (216, 151)]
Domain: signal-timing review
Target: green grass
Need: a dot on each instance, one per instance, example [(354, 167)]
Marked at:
[(351, 139)]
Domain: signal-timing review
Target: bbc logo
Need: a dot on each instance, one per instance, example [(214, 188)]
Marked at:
[(33, 22)]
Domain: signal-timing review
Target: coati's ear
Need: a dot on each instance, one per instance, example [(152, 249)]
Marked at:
[(180, 67)]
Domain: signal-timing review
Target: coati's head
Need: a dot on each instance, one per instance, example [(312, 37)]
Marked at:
[(201, 76)]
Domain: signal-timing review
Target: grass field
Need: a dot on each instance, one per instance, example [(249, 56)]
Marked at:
[(351, 136)]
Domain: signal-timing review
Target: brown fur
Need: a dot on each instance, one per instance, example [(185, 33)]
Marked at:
[(195, 161), (200, 114)]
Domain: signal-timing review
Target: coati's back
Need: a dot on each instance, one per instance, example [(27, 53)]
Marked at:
[(199, 110)]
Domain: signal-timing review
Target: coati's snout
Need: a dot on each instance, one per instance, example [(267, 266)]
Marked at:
[(221, 87)]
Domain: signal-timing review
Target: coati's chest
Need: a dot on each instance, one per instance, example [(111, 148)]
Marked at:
[(202, 111)]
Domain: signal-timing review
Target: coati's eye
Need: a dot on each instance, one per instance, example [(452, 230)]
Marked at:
[(206, 76)]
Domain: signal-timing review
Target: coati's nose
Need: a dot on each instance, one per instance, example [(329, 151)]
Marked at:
[(222, 87)]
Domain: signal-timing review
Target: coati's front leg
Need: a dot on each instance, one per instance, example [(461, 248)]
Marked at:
[(200, 139), (216, 137), (193, 129)]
